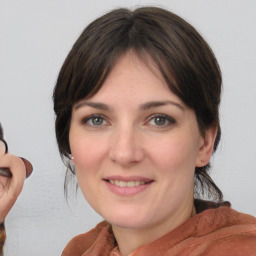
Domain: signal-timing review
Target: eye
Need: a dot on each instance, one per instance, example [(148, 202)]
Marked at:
[(94, 120), (161, 120)]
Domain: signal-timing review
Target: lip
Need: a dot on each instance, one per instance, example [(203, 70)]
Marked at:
[(128, 191), (128, 178)]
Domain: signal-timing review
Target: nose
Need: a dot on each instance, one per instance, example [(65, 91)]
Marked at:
[(126, 148)]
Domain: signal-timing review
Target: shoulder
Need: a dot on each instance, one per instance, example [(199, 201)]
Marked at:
[(224, 231), (81, 243), (221, 215)]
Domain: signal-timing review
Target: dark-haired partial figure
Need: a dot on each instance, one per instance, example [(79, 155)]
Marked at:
[(137, 120)]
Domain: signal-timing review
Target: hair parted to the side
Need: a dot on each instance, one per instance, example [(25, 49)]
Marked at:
[(184, 59)]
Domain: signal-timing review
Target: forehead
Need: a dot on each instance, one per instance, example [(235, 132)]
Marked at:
[(136, 77)]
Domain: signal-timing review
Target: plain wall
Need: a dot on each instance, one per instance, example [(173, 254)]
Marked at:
[(36, 36)]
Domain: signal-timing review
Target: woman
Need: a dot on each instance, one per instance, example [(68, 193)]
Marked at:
[(137, 120)]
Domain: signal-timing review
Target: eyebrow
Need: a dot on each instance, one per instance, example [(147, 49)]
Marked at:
[(154, 104), (144, 106), (97, 105)]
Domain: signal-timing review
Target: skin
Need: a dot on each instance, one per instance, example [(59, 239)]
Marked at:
[(132, 137), (10, 188)]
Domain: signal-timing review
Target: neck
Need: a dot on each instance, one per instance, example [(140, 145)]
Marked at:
[(129, 240)]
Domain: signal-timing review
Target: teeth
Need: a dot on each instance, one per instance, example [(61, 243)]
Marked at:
[(122, 184), (129, 184)]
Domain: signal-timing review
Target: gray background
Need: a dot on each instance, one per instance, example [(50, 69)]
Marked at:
[(35, 37)]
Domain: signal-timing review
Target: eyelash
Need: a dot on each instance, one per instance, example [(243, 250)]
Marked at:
[(168, 119), (86, 120)]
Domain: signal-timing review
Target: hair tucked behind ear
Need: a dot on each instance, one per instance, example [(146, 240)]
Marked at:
[(204, 185)]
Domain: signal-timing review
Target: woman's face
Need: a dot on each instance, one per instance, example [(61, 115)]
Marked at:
[(135, 146)]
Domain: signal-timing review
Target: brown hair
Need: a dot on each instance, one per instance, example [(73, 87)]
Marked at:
[(185, 60), (1, 133)]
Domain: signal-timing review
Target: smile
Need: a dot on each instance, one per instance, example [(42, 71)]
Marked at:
[(129, 184)]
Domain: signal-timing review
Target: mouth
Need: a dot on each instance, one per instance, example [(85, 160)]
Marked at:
[(130, 184), (127, 186)]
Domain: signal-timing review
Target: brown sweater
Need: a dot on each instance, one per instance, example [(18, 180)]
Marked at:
[(213, 232)]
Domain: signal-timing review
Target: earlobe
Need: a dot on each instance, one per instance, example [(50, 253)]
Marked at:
[(71, 157), (206, 147)]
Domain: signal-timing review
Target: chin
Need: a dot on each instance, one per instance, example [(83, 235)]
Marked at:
[(127, 218), (129, 223)]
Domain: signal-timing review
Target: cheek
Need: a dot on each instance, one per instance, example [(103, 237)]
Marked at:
[(174, 152), (88, 153), (175, 162)]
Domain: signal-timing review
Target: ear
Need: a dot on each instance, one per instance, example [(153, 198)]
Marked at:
[(206, 147), (71, 158)]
